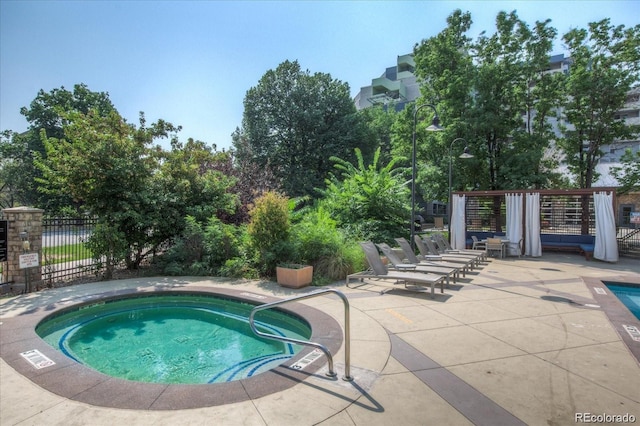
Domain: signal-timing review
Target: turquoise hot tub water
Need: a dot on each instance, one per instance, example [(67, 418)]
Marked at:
[(176, 338), (628, 294)]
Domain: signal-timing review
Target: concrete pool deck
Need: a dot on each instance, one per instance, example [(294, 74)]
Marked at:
[(518, 341)]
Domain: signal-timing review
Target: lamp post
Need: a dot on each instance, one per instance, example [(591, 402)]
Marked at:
[(434, 127), (465, 154)]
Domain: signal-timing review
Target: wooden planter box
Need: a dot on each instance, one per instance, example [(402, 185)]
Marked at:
[(294, 277)]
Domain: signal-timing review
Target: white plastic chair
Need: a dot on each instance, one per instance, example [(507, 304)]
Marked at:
[(477, 244)]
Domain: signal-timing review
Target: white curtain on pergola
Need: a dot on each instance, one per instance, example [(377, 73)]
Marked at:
[(532, 244), (606, 246), (514, 222), (457, 225)]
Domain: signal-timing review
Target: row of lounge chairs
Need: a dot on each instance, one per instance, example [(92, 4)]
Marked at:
[(437, 263)]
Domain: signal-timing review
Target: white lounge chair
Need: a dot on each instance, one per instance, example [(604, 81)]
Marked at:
[(442, 243), (430, 249), (377, 270), (435, 261), (399, 265)]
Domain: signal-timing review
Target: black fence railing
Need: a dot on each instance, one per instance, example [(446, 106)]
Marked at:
[(629, 242), (65, 256)]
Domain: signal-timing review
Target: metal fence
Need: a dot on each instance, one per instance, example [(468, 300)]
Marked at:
[(629, 242), (65, 256)]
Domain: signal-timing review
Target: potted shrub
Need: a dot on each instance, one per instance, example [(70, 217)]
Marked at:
[(294, 275)]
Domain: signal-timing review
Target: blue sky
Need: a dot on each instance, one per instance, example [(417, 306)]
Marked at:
[(191, 63)]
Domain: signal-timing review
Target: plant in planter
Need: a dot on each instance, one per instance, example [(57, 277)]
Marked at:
[(294, 275)]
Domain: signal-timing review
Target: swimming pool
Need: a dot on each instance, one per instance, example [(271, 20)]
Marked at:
[(32, 357), (173, 338), (629, 295)]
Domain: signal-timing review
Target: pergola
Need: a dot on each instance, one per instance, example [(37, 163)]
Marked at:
[(525, 214)]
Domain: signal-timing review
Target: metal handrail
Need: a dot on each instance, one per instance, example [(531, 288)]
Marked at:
[(347, 338)]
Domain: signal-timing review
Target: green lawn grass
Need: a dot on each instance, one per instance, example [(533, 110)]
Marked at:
[(66, 253)]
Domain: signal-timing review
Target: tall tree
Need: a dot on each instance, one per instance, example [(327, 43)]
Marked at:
[(628, 173), (481, 89), (292, 120), (509, 81), (192, 183), (15, 184), (444, 63), (530, 163), (46, 113), (605, 65), (379, 121), (99, 164)]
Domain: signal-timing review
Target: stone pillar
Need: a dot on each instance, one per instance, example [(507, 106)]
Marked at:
[(22, 219)]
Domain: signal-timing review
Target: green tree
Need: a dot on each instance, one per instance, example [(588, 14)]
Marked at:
[(509, 81), (379, 122), (191, 184), (140, 194), (368, 202), (99, 164), (605, 65), (444, 62), (481, 89), (292, 120), (15, 184), (628, 174), (48, 113)]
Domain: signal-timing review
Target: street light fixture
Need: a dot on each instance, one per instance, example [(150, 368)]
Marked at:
[(465, 154), (26, 245), (434, 127)]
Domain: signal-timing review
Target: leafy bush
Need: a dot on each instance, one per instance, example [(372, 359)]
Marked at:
[(221, 242), (344, 261), (203, 250), (316, 235), (188, 249), (268, 241), (321, 244), (269, 231), (238, 267), (367, 201), (108, 243)]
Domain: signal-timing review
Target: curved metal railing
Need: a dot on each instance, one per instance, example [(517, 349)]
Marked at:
[(347, 337)]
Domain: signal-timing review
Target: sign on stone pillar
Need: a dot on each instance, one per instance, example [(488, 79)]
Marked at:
[(26, 220)]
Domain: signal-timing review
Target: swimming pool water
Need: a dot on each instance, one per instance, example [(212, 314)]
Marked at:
[(629, 295), (173, 338)]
